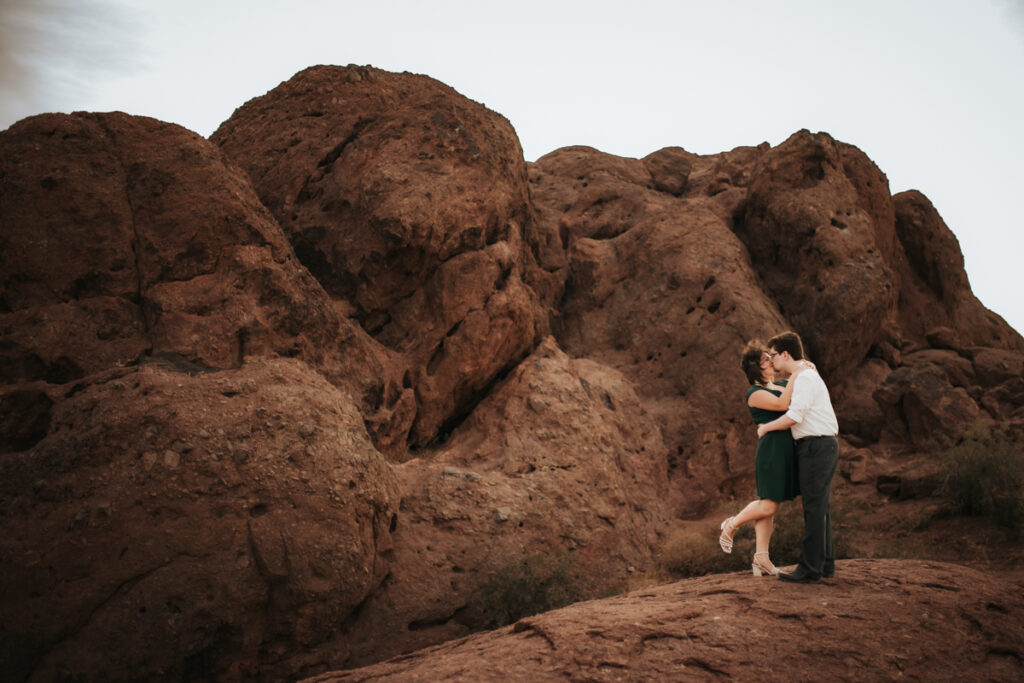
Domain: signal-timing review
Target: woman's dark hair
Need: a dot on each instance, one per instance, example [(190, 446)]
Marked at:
[(750, 361), (788, 341)]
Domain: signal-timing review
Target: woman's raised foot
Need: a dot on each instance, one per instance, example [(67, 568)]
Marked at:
[(725, 539)]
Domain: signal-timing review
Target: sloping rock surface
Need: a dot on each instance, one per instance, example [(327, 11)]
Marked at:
[(877, 620)]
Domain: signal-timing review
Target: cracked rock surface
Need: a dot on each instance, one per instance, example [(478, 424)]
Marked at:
[(876, 620)]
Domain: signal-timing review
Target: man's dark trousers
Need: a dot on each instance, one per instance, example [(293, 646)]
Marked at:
[(816, 459)]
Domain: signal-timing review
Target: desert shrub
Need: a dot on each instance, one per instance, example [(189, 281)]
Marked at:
[(694, 551), (984, 475), (528, 586)]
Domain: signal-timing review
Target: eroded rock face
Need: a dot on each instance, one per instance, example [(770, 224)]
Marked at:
[(218, 525), (660, 288), (820, 229), (561, 458), (934, 292), (409, 201), (127, 238), (925, 401)]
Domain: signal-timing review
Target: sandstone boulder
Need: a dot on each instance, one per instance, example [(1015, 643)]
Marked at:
[(127, 238), (920, 402), (820, 229), (661, 289), (934, 290), (560, 461), (221, 525), (409, 202)]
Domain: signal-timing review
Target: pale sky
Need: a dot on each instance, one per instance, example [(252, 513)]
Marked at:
[(931, 90)]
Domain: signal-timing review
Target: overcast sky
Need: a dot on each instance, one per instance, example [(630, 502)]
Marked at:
[(931, 90)]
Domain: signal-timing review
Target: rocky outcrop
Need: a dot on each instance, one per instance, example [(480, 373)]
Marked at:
[(935, 294), (409, 202), (212, 525), (128, 238), (819, 226), (658, 287), (877, 619), (562, 459), (290, 402)]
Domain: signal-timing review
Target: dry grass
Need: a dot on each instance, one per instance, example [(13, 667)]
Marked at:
[(693, 550), (985, 476)]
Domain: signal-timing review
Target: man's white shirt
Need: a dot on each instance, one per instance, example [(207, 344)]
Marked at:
[(811, 407)]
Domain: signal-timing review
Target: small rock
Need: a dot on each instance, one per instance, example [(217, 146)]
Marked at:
[(180, 446), (502, 514), (149, 459), (943, 338), (307, 430), (172, 459), (451, 471), (889, 353), (472, 476), (203, 434)]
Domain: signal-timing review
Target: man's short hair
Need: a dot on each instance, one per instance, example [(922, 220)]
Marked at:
[(788, 341)]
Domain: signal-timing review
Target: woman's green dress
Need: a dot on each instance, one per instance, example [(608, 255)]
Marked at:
[(775, 462)]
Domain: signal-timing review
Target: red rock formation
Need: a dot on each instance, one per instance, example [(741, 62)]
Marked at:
[(660, 288), (408, 201), (934, 291), (561, 457), (264, 433), (819, 226), (882, 619), (126, 237), (179, 526)]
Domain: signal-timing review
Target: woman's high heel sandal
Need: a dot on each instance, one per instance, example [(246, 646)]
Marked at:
[(724, 540), (764, 567)]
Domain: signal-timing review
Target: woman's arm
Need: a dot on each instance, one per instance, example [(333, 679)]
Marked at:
[(779, 423), (769, 401)]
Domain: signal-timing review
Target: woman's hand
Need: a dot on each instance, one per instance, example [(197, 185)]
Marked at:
[(801, 365), (761, 430)]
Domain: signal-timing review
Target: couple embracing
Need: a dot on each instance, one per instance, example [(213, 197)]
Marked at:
[(797, 452)]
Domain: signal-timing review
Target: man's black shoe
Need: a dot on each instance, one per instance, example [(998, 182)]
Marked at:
[(828, 572), (799, 576)]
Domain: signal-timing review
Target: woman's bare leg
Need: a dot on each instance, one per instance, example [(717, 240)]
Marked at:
[(755, 510), (763, 533)]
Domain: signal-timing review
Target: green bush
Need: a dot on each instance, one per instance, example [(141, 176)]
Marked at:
[(534, 584), (985, 475)]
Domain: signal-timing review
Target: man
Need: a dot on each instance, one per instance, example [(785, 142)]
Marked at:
[(814, 426)]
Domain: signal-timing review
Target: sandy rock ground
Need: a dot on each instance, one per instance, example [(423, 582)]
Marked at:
[(875, 620)]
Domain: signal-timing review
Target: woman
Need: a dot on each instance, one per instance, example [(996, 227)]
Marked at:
[(775, 461)]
